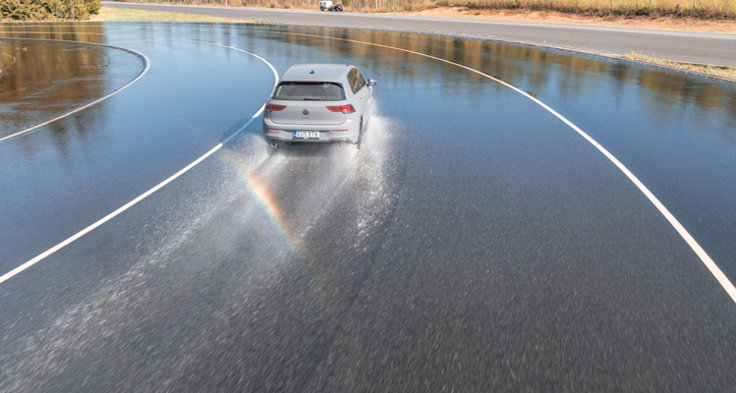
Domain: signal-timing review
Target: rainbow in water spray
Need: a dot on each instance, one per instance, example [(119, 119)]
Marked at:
[(264, 196)]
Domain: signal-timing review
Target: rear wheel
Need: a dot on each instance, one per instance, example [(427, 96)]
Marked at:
[(360, 134)]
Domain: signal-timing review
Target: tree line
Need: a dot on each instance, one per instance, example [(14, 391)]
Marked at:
[(48, 9)]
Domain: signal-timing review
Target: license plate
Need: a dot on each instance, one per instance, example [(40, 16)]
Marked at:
[(306, 135)]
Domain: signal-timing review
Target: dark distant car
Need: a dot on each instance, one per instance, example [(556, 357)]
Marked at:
[(318, 103), (337, 7)]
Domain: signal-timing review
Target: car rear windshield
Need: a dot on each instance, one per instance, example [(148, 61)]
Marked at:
[(309, 91)]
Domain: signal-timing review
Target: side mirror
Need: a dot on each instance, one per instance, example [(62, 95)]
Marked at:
[(371, 82)]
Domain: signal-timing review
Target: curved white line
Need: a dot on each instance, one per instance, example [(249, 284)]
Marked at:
[(275, 75), (699, 251), (143, 196), (11, 63), (694, 245), (146, 62)]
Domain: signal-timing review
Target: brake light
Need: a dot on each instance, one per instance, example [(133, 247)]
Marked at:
[(274, 107), (342, 108)]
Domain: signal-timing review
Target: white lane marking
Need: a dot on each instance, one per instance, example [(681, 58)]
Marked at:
[(13, 59), (146, 63), (699, 251), (143, 196), (694, 245)]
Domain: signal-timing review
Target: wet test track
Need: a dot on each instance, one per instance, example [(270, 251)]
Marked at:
[(474, 243)]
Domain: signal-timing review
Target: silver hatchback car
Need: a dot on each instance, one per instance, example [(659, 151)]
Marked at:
[(318, 103)]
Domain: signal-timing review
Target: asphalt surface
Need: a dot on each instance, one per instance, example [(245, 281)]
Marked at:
[(473, 243), (694, 47)]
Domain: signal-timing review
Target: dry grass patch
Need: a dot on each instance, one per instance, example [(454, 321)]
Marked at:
[(704, 9), (722, 72), (131, 15), (520, 14), (693, 15)]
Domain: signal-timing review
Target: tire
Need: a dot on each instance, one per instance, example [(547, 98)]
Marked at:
[(321, 8), (360, 134)]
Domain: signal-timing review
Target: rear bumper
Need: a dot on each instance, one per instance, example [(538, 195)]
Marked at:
[(345, 132)]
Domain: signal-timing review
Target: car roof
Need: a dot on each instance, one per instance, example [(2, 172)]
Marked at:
[(317, 72)]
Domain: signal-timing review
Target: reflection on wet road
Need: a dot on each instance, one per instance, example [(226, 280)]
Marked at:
[(473, 243), (41, 80)]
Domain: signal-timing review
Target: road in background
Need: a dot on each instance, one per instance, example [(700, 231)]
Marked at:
[(694, 47), (473, 243)]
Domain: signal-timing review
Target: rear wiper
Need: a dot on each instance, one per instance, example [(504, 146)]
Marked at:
[(312, 99)]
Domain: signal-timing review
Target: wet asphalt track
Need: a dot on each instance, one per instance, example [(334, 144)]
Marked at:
[(475, 242)]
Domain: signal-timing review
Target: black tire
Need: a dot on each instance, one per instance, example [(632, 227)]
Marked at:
[(321, 8)]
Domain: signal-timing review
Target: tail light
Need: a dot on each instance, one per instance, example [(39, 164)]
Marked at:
[(342, 108), (274, 107)]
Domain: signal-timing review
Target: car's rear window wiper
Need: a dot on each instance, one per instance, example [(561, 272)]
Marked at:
[(312, 99)]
